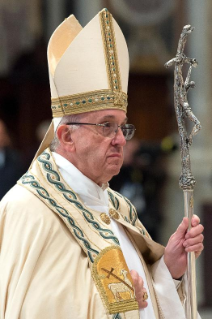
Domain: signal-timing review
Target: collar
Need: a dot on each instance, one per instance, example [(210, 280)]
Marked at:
[(91, 193)]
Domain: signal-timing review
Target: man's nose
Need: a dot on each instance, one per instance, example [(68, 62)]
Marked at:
[(119, 138)]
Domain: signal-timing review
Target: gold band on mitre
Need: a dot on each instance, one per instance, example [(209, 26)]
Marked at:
[(87, 102)]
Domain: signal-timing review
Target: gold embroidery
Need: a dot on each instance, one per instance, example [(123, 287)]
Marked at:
[(112, 277), (114, 214), (89, 101), (118, 98), (105, 218)]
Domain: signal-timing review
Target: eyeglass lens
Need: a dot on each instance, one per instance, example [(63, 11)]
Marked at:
[(109, 129), (128, 131)]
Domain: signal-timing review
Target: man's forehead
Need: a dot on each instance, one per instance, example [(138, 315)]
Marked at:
[(108, 115)]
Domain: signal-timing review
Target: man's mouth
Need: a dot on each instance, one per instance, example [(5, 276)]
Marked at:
[(115, 155)]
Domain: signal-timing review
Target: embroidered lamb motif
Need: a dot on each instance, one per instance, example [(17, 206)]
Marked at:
[(123, 286)]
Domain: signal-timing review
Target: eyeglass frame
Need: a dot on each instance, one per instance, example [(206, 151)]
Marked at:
[(104, 125)]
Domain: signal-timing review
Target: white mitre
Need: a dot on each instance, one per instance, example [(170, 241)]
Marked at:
[(88, 69)]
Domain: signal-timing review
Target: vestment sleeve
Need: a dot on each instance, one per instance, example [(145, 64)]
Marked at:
[(23, 236), (171, 295)]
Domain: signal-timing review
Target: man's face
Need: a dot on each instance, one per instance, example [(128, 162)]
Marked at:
[(96, 156)]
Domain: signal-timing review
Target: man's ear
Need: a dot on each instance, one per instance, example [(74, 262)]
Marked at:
[(64, 135)]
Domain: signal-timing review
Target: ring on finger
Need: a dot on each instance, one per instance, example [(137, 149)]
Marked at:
[(145, 296)]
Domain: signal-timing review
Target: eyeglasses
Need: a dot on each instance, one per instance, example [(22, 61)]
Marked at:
[(110, 129)]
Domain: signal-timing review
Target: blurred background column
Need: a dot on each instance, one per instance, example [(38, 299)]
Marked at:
[(55, 13), (85, 10), (20, 26), (200, 17), (199, 47)]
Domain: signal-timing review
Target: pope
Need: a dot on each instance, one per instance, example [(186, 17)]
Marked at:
[(71, 247)]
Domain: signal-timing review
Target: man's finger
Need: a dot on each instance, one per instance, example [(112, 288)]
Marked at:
[(140, 291), (182, 228), (193, 241), (134, 275), (194, 231), (142, 299), (195, 220), (195, 248)]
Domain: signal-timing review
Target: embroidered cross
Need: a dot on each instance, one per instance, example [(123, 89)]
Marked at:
[(110, 273)]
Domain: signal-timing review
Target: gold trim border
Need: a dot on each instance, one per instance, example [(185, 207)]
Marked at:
[(111, 57), (89, 101)]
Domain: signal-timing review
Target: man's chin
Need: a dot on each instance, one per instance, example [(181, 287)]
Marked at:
[(114, 170)]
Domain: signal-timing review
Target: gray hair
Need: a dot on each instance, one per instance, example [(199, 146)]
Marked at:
[(65, 119)]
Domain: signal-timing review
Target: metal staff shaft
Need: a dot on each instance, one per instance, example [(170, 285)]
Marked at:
[(186, 181), (191, 301)]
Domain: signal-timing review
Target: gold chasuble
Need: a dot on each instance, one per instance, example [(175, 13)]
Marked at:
[(92, 232)]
